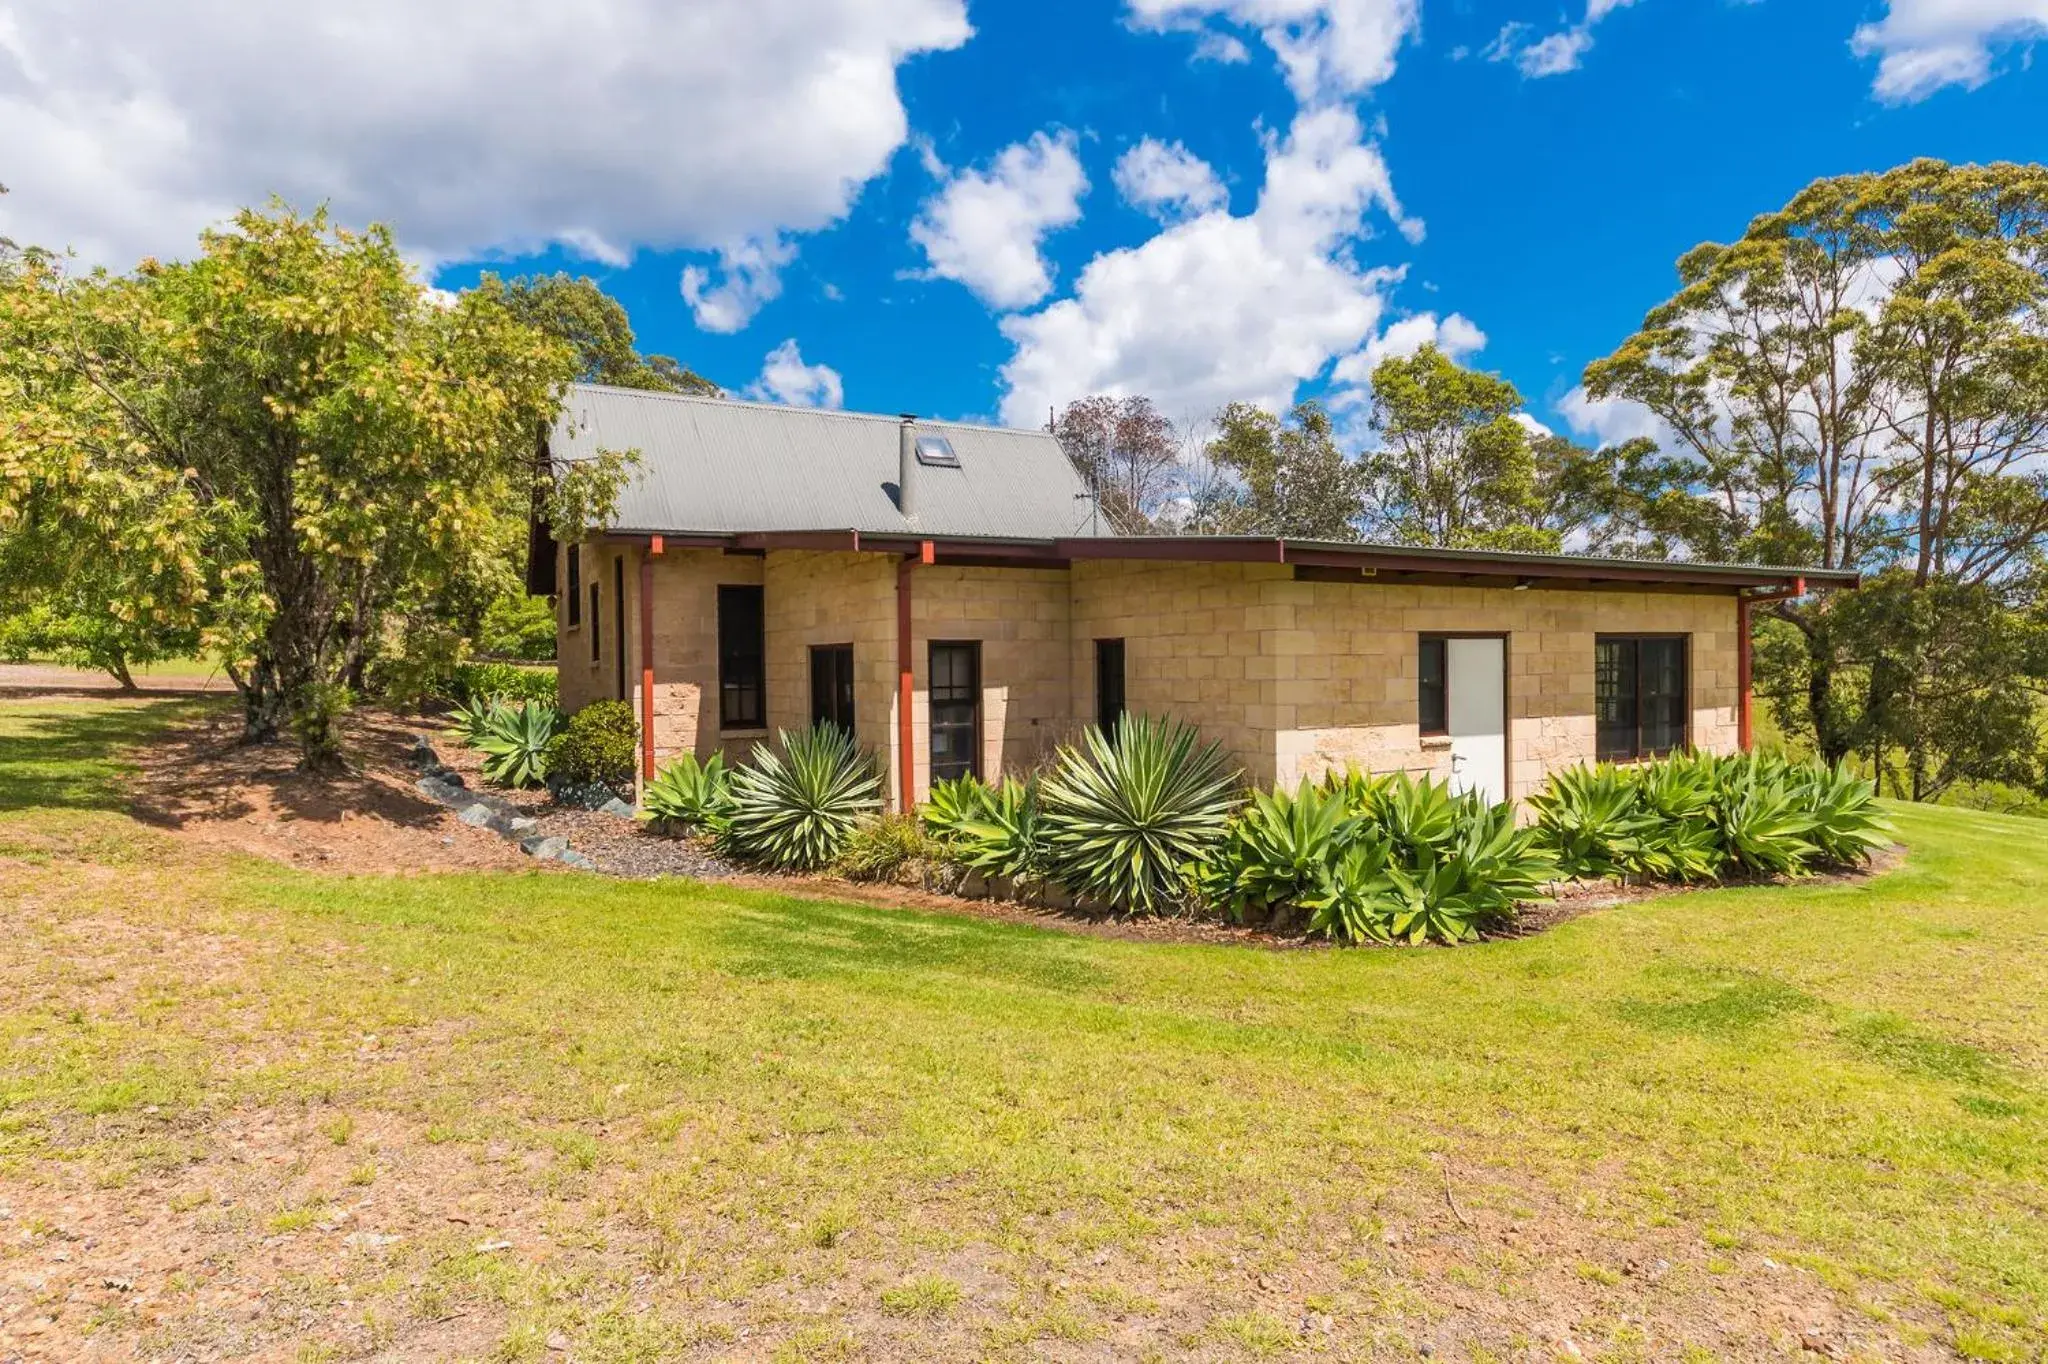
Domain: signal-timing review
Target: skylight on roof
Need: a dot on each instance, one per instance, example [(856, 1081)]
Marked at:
[(937, 452)]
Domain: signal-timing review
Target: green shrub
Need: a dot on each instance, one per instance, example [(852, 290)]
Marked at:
[(1279, 848), (507, 681), (884, 848), (688, 797), (1847, 826), (1693, 817), (599, 743), (952, 803), (1128, 819), (518, 626), (794, 809), (515, 743), (1006, 836), (1415, 863), (473, 718)]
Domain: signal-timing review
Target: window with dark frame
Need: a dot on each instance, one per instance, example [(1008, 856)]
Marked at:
[(955, 709), (832, 685), (1641, 704), (1432, 687), (742, 656), (595, 651), (1109, 684), (619, 624), (575, 553)]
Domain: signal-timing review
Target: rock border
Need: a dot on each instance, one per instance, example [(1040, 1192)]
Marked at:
[(447, 788)]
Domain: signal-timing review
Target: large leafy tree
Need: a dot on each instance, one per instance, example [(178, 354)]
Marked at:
[(1454, 466), (1860, 381), (576, 311), (301, 442), (1286, 475), (1128, 451)]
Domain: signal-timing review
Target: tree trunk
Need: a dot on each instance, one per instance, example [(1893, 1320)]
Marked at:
[(118, 666)]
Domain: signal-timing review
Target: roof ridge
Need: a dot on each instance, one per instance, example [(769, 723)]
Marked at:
[(841, 412)]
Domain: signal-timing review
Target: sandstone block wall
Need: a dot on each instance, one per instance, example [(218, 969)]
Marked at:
[(1294, 678)]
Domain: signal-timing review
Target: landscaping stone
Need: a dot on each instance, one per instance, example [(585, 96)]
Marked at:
[(520, 827), (615, 806), (441, 792), (572, 858), (477, 814), (544, 848)]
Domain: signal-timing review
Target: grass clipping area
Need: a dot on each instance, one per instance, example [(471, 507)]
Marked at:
[(251, 1110)]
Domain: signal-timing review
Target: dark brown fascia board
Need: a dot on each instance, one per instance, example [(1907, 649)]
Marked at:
[(1558, 570)]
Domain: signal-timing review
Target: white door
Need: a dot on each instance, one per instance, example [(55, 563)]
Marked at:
[(1476, 676)]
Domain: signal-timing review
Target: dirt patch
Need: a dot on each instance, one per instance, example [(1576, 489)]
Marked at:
[(201, 783), (48, 679)]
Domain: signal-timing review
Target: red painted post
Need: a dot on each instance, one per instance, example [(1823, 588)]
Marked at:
[(906, 738), (647, 658)]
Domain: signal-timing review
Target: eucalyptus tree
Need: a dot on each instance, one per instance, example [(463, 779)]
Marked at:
[(1861, 381)]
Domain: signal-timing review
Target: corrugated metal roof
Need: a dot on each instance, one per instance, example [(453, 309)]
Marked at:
[(713, 465)]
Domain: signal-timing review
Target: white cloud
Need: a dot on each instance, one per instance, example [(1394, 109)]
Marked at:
[(1168, 181), (1221, 307), (983, 228), (1456, 336), (1610, 421), (1924, 45), (1555, 53), (751, 278), (785, 378), (1221, 48), (1327, 48), (607, 126)]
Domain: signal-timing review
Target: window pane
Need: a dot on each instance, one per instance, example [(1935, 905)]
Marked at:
[(1663, 691), (1109, 683), (1614, 699), (1432, 699), (575, 584), (594, 631), (742, 700), (832, 685), (955, 711)]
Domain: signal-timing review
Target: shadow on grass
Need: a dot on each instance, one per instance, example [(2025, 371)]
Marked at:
[(770, 936), (59, 755)]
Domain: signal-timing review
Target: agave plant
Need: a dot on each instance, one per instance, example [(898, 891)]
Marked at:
[(474, 716), (952, 803), (688, 796), (515, 743), (1125, 815), (1006, 836), (794, 809), (1278, 847), (1420, 815), (1758, 816), (1357, 897), (1594, 821), (1847, 826)]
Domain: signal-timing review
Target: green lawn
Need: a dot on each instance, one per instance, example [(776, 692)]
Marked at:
[(715, 1123)]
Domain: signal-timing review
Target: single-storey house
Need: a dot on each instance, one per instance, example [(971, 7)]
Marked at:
[(949, 594)]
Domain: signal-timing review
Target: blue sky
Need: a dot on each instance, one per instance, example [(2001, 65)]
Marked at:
[(918, 205)]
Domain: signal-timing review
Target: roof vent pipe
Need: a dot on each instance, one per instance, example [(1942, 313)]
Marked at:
[(906, 467)]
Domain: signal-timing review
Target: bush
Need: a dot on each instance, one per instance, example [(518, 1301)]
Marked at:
[(1279, 849), (1694, 817), (599, 743), (997, 831), (795, 809), (515, 743), (518, 626), (506, 681), (688, 797), (884, 848), (1128, 819)]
